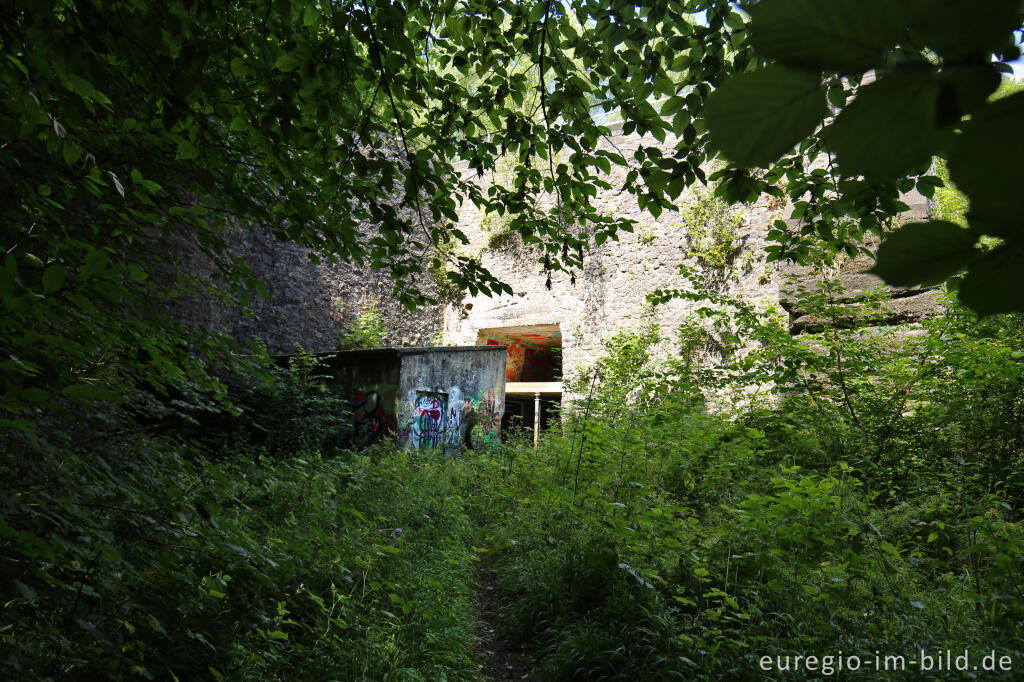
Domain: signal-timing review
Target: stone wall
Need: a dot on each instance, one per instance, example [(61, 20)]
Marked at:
[(313, 305), (310, 305), (618, 275)]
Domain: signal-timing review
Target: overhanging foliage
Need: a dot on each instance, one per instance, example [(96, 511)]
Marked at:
[(921, 74)]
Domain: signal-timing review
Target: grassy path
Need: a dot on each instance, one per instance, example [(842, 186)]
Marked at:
[(498, 659)]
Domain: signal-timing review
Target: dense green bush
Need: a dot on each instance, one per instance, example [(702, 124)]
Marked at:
[(280, 409), (149, 560), (863, 495), (367, 330), (233, 549), (856, 488)]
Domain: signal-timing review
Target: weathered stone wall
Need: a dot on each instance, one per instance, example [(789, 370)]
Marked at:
[(310, 305), (313, 305), (908, 304), (611, 291)]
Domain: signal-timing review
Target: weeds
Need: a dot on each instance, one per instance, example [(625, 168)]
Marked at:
[(866, 497)]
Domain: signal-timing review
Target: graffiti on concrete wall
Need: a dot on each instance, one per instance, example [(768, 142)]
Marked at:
[(372, 414), (368, 418), (514, 365), (537, 365), (462, 418), (488, 413), (429, 416), (447, 420), (525, 362)]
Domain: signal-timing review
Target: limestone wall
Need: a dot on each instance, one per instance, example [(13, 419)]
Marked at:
[(313, 305), (618, 275), (308, 304), (611, 291)]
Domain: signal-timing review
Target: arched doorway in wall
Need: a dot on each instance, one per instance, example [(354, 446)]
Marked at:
[(533, 375)]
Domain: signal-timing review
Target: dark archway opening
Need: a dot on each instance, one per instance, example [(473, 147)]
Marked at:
[(533, 375)]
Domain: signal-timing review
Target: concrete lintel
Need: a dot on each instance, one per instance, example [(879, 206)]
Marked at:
[(533, 387)]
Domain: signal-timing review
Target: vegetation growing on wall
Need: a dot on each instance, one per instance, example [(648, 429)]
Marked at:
[(646, 236), (500, 235), (712, 229), (948, 203), (366, 330), (446, 282)]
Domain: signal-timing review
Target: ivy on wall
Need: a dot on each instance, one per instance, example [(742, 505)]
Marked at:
[(500, 235)]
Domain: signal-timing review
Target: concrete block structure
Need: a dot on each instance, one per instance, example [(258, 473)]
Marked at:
[(427, 398)]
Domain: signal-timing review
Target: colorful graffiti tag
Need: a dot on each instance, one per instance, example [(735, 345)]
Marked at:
[(372, 414), (369, 420), (428, 427), (488, 413), (446, 420), (514, 365), (461, 419)]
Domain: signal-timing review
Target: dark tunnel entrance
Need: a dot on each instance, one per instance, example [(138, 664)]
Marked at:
[(533, 376)]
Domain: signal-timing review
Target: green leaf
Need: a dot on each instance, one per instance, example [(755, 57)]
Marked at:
[(664, 85), (984, 163), (35, 395), (53, 278), (755, 118), (288, 62), (981, 26), (924, 253), (27, 592), (136, 273), (889, 128), (845, 36), (995, 283), (84, 393), (672, 105), (117, 183), (963, 89), (187, 150)]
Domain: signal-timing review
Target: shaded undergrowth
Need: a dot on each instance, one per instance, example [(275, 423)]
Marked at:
[(869, 503)]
